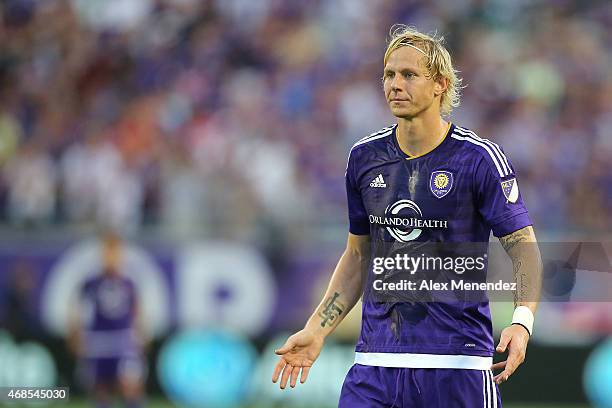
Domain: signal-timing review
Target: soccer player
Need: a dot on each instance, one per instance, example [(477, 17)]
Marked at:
[(458, 187), (106, 333)]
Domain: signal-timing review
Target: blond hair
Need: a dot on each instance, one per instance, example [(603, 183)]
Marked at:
[(438, 60)]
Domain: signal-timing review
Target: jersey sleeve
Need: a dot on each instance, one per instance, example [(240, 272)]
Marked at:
[(358, 217), (498, 198)]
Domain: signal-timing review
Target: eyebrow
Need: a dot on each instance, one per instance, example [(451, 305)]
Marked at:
[(401, 70)]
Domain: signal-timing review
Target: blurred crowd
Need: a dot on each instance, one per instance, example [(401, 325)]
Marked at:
[(220, 118)]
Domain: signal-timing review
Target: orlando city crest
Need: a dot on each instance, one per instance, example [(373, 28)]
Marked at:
[(441, 183)]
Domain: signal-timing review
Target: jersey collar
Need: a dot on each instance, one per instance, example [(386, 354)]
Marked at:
[(401, 153)]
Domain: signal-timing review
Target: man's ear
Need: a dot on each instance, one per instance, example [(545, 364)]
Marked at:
[(440, 85)]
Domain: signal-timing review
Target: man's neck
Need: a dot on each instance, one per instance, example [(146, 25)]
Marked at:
[(419, 135)]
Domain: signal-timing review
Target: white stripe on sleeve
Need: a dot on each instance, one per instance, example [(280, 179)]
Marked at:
[(498, 151), (476, 142)]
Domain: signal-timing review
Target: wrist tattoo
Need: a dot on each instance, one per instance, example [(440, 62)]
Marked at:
[(333, 308)]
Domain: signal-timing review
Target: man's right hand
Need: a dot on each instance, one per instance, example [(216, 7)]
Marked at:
[(299, 352)]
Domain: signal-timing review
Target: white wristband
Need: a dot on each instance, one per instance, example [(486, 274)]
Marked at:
[(523, 316)]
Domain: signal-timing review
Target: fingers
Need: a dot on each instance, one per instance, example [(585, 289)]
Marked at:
[(294, 376), (286, 372), (289, 374), (516, 354), (278, 369), (503, 342), (304, 376), (515, 358), (285, 348), (497, 366), (501, 377), (512, 363)]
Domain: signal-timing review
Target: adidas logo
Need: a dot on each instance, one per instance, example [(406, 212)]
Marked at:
[(378, 182)]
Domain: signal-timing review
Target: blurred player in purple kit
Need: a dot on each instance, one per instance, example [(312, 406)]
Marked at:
[(423, 179), (106, 334)]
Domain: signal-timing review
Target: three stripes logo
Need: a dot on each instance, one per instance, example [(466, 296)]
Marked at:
[(378, 182)]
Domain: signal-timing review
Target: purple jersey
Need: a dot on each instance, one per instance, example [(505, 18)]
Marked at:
[(459, 192), (110, 303)]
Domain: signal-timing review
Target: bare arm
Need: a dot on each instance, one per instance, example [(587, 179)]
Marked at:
[(522, 249), (344, 289), (74, 327), (302, 349), (521, 246), (139, 325)]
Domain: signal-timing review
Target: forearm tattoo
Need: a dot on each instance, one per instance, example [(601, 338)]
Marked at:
[(520, 277), (524, 257), (510, 241), (331, 311)]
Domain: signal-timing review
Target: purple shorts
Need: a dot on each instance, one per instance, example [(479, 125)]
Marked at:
[(111, 370), (373, 387)]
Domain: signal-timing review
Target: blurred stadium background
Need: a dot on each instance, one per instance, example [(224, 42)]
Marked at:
[(213, 135)]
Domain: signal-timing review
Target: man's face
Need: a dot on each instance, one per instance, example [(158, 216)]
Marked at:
[(408, 89)]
